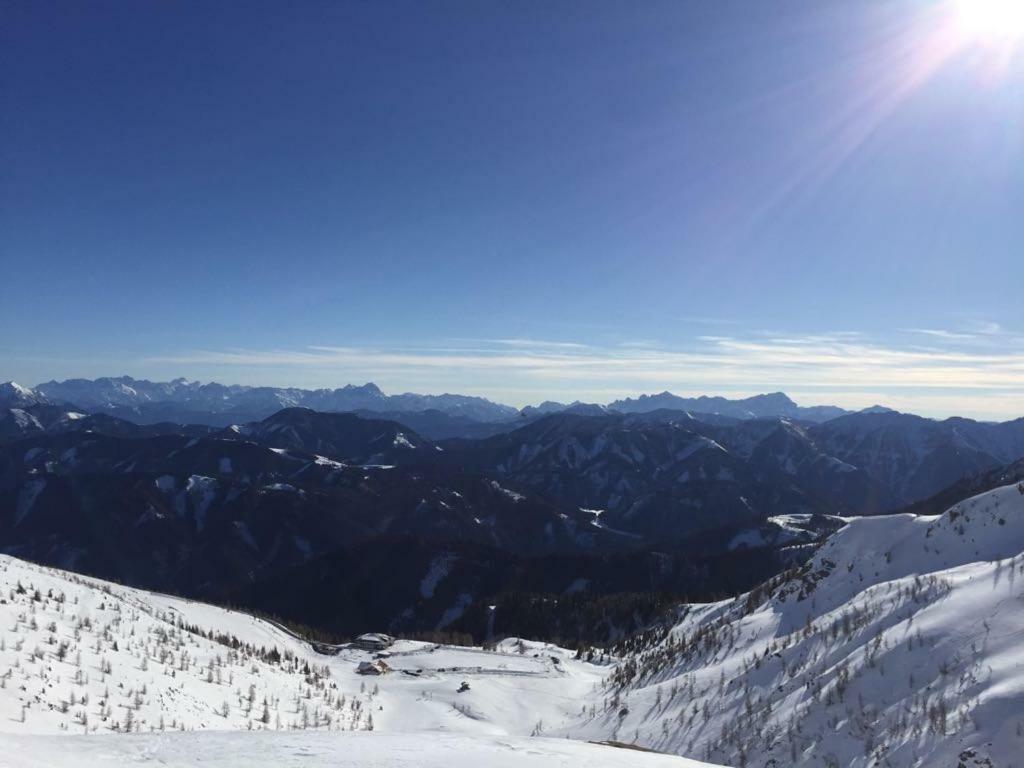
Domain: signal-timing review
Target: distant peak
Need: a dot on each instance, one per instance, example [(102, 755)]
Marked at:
[(13, 394), (878, 409), (774, 397), (369, 388)]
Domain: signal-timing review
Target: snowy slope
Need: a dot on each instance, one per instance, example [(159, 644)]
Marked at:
[(84, 661), (139, 657), (79, 655), (900, 643)]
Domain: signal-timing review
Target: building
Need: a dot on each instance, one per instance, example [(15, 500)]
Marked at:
[(373, 641), (372, 668)]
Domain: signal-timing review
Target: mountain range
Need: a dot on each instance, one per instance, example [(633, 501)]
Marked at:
[(183, 400), (588, 503), (217, 404), (772, 589), (276, 513)]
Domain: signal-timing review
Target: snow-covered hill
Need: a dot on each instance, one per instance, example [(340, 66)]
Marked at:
[(85, 663), (901, 643), (84, 656)]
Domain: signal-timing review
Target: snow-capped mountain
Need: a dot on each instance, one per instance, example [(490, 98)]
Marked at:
[(85, 663), (190, 401), (185, 401), (898, 643), (14, 395)]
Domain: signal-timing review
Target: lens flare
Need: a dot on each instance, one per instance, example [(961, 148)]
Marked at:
[(991, 21)]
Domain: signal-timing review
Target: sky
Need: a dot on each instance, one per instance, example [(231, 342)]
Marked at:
[(522, 200)]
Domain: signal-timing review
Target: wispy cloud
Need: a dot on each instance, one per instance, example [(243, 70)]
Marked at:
[(706, 320), (943, 334), (639, 344), (979, 333), (989, 328), (537, 344), (979, 381)]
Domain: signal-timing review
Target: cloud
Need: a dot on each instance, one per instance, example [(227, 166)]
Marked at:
[(705, 320), (536, 344), (639, 344), (989, 328), (942, 334)]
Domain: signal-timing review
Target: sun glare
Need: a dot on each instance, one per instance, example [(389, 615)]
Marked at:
[(991, 21)]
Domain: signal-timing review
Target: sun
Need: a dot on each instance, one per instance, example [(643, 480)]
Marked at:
[(995, 22)]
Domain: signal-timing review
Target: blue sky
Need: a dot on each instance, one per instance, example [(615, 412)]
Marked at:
[(524, 200)]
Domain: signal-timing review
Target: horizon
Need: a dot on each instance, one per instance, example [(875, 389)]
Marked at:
[(730, 396), (522, 202)]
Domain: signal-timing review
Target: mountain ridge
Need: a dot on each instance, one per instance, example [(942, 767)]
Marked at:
[(126, 396), (888, 647)]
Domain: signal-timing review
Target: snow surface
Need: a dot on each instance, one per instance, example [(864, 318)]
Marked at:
[(299, 749), (401, 441), (516, 497), (900, 643), (83, 661)]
